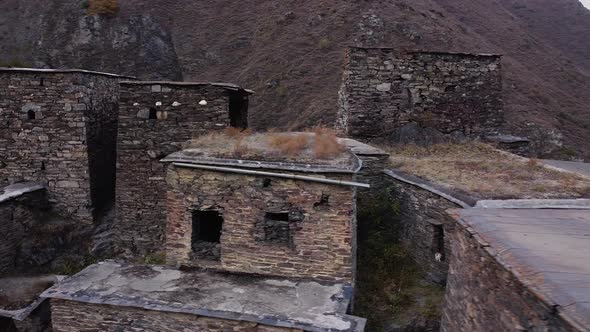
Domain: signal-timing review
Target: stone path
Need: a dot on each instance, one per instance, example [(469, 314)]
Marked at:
[(572, 166)]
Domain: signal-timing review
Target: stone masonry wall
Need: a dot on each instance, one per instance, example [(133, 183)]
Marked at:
[(383, 90), (322, 223), (423, 215), (481, 295), (17, 216), (142, 142), (57, 128), (68, 316)]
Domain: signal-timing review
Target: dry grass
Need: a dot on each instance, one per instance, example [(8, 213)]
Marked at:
[(326, 143), (322, 143), (103, 7), (290, 145), (484, 172)]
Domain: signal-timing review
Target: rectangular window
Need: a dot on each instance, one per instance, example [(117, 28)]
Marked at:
[(276, 228), (206, 236)]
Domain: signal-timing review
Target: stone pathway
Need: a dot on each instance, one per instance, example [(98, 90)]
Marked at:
[(572, 166)]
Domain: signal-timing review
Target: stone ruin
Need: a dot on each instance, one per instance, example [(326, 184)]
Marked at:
[(420, 95), (285, 247)]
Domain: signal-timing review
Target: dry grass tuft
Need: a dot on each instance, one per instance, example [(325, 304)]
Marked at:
[(484, 172), (103, 7), (290, 145), (326, 143)]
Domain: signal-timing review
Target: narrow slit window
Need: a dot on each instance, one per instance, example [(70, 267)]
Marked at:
[(438, 241), (276, 228), (206, 235), (153, 114)]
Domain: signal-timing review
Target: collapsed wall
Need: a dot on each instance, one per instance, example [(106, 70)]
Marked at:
[(59, 128), (155, 119), (453, 93)]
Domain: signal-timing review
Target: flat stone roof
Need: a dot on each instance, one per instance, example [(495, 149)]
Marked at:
[(229, 86), (262, 155), (547, 250), (307, 305), (60, 71), (18, 189)]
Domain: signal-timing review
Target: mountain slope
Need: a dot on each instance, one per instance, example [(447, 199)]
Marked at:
[(291, 51)]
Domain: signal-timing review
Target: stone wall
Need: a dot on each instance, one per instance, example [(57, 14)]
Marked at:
[(155, 119), (425, 226), (58, 128), (68, 316), (322, 223), (17, 217), (482, 295), (383, 90)]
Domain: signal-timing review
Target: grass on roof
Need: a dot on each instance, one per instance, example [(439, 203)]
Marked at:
[(484, 172), (320, 143)]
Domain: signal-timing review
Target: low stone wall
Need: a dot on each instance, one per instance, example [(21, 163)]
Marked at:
[(481, 295), (69, 316), (425, 224), (321, 223)]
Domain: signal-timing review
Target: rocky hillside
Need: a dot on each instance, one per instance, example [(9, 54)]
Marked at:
[(291, 51)]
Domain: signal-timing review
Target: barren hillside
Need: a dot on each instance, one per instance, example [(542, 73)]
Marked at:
[(291, 51)]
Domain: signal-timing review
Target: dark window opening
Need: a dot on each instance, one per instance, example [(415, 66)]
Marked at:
[(238, 109), (42, 165), (276, 228), (41, 82), (206, 235), (153, 114), (438, 242), (266, 182), (451, 88), (31, 115), (324, 200)]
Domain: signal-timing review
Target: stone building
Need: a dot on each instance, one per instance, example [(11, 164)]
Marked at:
[(384, 90), (519, 270), (58, 128), (266, 242), (236, 220), (154, 119)]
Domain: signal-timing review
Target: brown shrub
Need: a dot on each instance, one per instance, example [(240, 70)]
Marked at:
[(290, 145), (240, 147), (326, 143), (236, 132), (103, 7)]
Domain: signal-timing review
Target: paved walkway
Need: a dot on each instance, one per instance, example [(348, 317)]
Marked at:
[(572, 166)]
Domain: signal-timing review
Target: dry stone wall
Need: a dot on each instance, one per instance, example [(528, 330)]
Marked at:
[(155, 119), (322, 223), (68, 316), (383, 90), (481, 295), (58, 128), (425, 226)]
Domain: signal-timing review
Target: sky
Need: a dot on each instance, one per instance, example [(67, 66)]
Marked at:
[(586, 3)]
